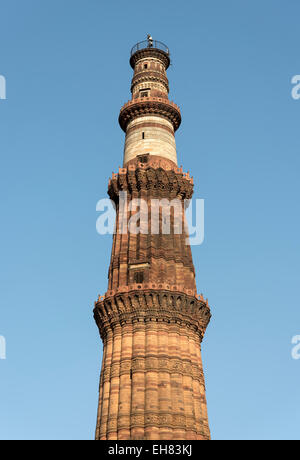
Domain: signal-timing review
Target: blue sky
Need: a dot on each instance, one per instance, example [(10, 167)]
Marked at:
[(67, 72)]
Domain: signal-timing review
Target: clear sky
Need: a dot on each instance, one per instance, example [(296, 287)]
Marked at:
[(67, 73)]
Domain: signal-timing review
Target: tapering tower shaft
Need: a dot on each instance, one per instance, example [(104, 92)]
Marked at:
[(151, 320)]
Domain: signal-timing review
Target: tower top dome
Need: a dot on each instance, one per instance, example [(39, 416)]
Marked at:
[(147, 48)]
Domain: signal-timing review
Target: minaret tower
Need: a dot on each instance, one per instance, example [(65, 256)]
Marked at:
[(151, 319)]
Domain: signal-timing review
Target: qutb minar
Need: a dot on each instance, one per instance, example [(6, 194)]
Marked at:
[(151, 319)]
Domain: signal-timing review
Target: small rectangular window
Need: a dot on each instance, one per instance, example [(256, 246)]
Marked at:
[(144, 92), (145, 66), (143, 135), (139, 277)]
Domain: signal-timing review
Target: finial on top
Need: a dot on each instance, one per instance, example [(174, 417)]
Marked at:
[(150, 41)]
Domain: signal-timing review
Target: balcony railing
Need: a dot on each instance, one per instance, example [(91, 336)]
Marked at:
[(150, 44)]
